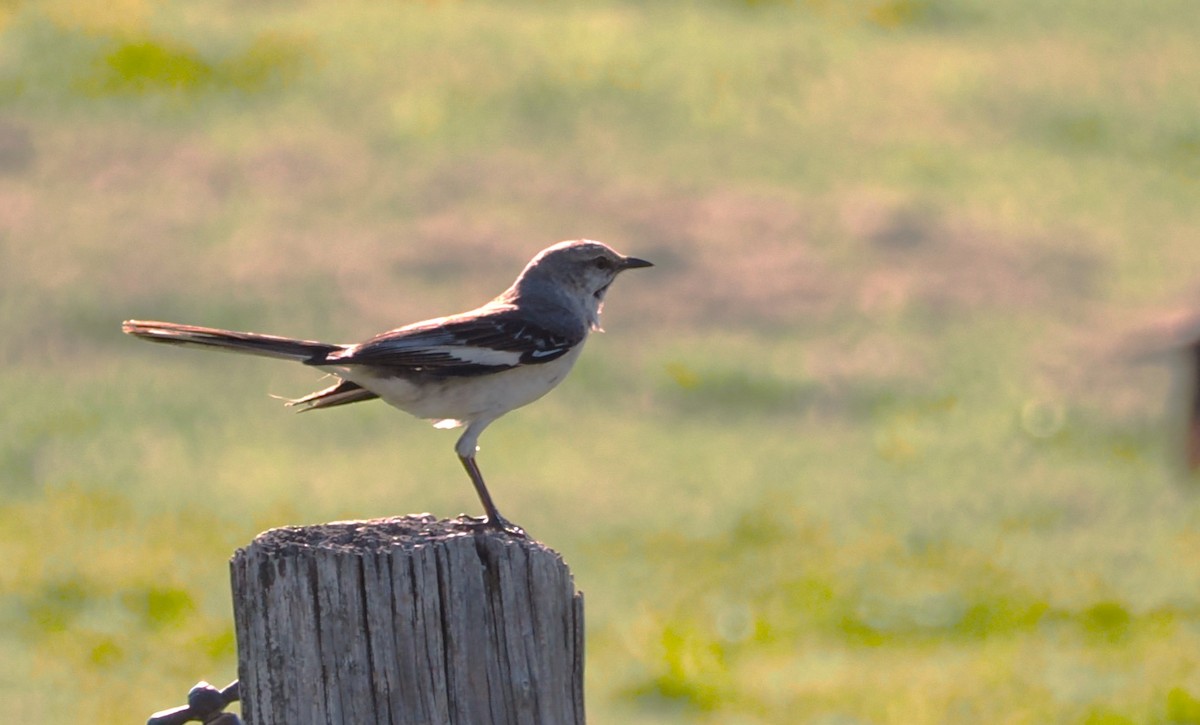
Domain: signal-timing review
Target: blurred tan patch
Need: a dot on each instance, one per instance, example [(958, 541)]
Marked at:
[(16, 206), (760, 256), (17, 151), (913, 253), (100, 16), (380, 245), (854, 359)]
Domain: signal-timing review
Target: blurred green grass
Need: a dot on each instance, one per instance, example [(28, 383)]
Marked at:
[(856, 451)]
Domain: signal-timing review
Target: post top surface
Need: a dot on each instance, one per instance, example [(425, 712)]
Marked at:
[(370, 535)]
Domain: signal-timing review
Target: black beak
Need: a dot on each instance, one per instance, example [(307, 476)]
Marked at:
[(634, 263)]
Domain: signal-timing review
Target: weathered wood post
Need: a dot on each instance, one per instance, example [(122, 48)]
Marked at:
[(406, 620)]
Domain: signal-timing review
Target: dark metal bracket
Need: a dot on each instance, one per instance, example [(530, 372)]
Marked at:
[(206, 704)]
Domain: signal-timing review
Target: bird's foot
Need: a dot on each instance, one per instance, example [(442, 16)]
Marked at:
[(493, 523)]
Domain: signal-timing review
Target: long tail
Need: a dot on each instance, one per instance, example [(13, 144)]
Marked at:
[(283, 348)]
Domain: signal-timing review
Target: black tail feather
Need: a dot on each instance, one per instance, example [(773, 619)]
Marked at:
[(283, 348), (340, 393)]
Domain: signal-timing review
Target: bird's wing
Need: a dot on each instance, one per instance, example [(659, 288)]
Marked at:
[(468, 344)]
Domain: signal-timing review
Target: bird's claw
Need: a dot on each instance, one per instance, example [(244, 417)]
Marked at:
[(494, 524), (510, 528)]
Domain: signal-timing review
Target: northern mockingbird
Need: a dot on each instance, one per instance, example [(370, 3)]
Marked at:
[(466, 369)]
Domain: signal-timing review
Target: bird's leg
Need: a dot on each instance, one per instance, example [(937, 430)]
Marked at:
[(494, 520), (466, 447)]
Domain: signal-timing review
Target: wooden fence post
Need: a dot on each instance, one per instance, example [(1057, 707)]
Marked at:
[(406, 620)]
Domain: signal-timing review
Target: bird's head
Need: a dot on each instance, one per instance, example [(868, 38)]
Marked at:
[(581, 269)]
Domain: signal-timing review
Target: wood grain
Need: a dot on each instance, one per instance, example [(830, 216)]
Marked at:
[(406, 620)]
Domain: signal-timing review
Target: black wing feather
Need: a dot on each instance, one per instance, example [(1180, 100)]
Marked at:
[(460, 345)]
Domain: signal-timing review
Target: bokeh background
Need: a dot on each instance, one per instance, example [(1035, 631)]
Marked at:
[(869, 445)]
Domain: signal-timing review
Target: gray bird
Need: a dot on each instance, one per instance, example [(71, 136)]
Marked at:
[(466, 369)]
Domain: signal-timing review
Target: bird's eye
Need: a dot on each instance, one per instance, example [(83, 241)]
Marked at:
[(602, 263)]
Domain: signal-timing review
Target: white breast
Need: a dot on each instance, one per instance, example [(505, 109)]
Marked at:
[(468, 398)]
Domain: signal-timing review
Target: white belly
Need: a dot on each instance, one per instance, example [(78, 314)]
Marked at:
[(469, 398)]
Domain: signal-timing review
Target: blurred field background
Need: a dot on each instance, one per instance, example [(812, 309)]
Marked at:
[(860, 449)]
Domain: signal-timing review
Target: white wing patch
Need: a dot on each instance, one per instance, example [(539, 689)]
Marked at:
[(478, 355)]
